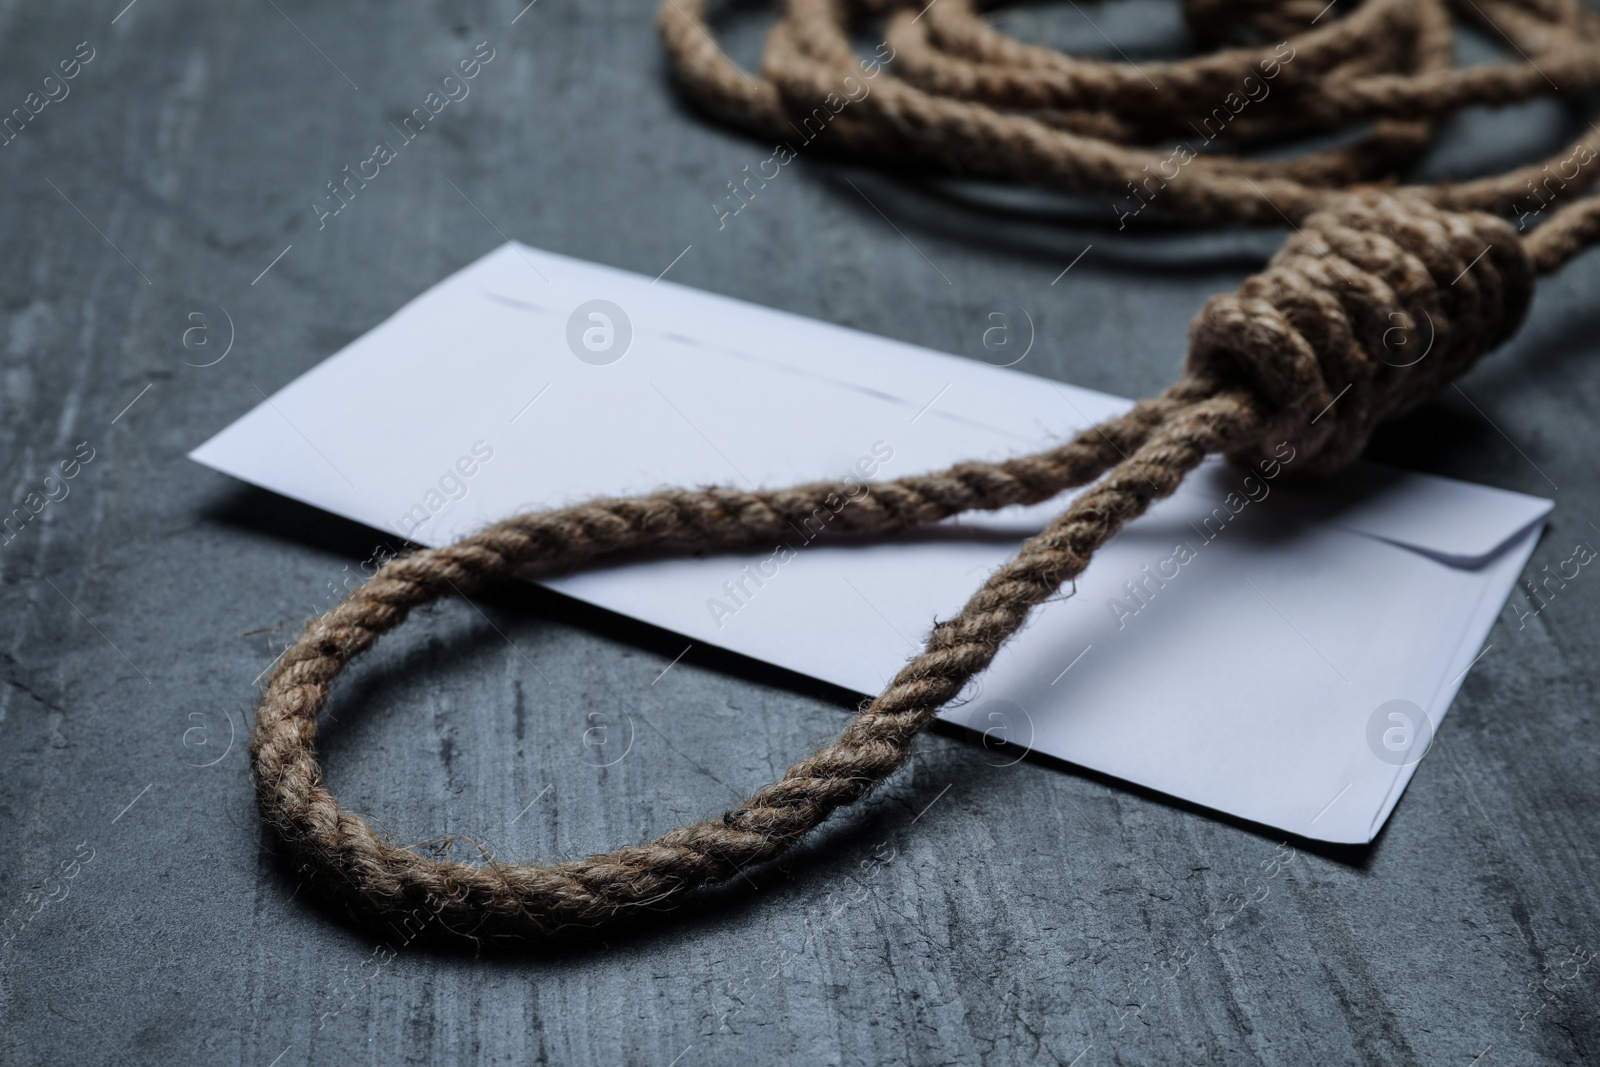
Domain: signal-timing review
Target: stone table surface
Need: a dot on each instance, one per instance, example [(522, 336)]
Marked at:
[(1032, 913)]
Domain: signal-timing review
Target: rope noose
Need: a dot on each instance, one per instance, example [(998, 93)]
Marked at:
[(1378, 300)]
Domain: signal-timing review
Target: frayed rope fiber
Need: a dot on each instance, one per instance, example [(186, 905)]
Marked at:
[(1303, 352)]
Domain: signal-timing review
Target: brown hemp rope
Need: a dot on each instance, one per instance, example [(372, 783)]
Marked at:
[(1297, 354)]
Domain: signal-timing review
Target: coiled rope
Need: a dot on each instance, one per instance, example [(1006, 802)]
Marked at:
[(1300, 353)]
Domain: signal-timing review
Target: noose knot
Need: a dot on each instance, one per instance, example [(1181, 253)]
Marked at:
[(1370, 308)]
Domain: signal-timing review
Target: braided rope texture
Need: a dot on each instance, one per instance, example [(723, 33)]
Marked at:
[(1378, 300), (961, 97)]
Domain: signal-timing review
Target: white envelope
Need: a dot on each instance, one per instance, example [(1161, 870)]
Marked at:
[(1252, 674)]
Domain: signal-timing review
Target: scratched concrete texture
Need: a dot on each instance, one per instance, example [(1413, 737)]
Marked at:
[(967, 913)]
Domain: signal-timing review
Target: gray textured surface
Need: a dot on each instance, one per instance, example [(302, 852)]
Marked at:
[(1032, 914)]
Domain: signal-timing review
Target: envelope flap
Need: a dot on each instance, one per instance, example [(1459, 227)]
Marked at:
[(1464, 525)]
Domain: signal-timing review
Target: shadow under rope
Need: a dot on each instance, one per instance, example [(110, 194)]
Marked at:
[(1043, 226)]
